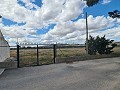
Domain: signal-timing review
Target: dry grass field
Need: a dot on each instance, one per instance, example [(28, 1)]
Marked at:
[(29, 56)]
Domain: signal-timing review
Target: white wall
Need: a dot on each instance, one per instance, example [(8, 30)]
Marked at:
[(4, 48)]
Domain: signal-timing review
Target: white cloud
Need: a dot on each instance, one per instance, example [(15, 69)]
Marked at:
[(11, 10), (75, 31), (29, 4), (72, 9), (59, 12), (52, 11), (106, 1)]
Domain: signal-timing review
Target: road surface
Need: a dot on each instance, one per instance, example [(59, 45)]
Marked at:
[(99, 74)]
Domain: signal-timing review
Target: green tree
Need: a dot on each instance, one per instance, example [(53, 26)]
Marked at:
[(91, 46), (91, 2), (100, 45), (114, 14)]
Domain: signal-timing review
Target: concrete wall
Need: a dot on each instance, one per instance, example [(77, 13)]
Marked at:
[(4, 48)]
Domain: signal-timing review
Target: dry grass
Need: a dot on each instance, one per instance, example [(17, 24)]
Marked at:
[(70, 52), (29, 56), (116, 50)]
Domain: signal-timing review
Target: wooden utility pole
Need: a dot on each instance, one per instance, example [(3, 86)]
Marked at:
[(0, 16), (86, 35)]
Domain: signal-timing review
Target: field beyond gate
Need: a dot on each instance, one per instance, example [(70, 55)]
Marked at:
[(29, 56)]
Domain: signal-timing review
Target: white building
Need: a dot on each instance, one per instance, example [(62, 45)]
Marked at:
[(4, 48)]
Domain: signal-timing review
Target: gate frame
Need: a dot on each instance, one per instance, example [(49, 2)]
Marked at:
[(37, 55), (18, 58)]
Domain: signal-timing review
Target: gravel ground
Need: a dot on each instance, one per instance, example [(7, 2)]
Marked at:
[(99, 74)]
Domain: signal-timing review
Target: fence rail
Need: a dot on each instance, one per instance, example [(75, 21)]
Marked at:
[(40, 54)]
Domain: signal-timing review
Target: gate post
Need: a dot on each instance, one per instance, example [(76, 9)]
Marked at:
[(54, 51), (37, 56), (18, 62)]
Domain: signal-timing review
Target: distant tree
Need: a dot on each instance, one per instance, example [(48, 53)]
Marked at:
[(114, 14), (91, 2), (100, 45)]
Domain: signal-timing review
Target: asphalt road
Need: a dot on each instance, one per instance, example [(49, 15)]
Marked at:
[(101, 74)]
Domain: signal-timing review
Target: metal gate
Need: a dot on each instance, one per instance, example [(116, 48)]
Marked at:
[(35, 54)]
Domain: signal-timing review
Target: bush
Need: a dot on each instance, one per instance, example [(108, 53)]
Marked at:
[(100, 45)]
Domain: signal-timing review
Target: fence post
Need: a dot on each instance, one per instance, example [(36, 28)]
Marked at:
[(37, 55), (18, 61), (54, 51)]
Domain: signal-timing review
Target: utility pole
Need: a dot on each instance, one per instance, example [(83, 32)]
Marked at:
[(86, 35), (17, 41)]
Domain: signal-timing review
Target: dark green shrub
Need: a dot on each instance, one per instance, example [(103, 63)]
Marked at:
[(100, 45)]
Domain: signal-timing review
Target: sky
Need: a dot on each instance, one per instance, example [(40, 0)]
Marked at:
[(57, 21)]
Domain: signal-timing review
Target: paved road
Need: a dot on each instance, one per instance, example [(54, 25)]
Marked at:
[(101, 74)]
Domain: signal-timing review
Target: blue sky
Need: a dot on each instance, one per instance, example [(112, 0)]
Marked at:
[(62, 21), (103, 9)]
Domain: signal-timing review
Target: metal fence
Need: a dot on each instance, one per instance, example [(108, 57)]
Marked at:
[(43, 54), (33, 54), (69, 52)]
